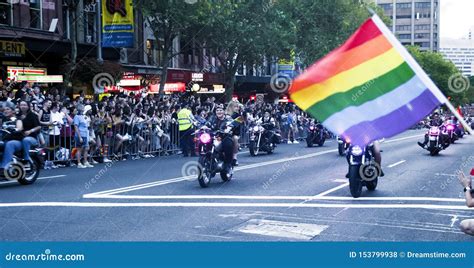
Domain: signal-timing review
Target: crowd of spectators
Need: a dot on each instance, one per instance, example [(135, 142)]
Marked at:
[(129, 125)]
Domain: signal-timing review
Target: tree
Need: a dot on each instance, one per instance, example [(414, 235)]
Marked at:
[(440, 71), (168, 19), (71, 60), (322, 25), (243, 33)]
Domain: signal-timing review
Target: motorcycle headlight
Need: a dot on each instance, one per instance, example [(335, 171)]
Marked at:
[(255, 128), (356, 150), (205, 138), (450, 127), (311, 128)]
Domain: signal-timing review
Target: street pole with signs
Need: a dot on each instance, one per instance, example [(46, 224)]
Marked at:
[(99, 32)]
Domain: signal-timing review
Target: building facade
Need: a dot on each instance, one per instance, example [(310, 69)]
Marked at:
[(414, 22), (461, 53)]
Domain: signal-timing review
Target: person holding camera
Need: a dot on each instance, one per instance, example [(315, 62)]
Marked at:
[(467, 226)]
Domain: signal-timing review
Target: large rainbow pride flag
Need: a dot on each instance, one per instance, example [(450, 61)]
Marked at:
[(367, 89)]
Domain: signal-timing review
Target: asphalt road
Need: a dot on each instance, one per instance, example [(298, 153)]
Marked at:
[(296, 194)]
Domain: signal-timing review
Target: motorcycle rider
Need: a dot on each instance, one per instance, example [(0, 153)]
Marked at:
[(19, 138), (435, 120), (268, 123), (219, 122)]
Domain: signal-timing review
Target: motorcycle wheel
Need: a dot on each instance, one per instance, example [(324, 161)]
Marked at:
[(321, 143), (31, 175), (371, 185), (355, 182), (432, 148), (309, 141), (204, 175), (227, 177), (340, 149), (253, 148), (271, 148)]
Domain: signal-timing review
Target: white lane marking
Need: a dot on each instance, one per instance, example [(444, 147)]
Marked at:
[(291, 230), (179, 179), (253, 205), (331, 190), (340, 180), (396, 164), (454, 220), (272, 197), (444, 174), (40, 178)]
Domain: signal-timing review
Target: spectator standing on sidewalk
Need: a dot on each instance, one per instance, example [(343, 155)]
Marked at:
[(467, 226), (81, 137)]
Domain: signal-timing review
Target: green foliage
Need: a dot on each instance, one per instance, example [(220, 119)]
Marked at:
[(439, 70)]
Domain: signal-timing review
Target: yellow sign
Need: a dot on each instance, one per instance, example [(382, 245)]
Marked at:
[(117, 23), (12, 49)]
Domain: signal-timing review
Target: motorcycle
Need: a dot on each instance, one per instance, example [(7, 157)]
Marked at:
[(316, 135), (435, 145), (259, 141), (450, 129), (363, 170), (211, 160), (19, 169), (343, 144)]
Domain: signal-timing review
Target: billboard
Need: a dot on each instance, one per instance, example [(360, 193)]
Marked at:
[(117, 23)]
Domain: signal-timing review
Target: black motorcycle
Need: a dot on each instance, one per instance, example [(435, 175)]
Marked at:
[(342, 145), (211, 160), (19, 169), (363, 170), (316, 135), (262, 139)]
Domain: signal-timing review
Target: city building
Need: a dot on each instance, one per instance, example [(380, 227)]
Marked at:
[(460, 52), (414, 22)]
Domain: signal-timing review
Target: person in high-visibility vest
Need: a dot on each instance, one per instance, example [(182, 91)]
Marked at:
[(185, 122)]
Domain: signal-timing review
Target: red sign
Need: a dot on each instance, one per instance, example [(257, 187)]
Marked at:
[(169, 88)]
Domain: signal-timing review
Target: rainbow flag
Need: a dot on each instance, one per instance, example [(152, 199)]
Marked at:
[(367, 89)]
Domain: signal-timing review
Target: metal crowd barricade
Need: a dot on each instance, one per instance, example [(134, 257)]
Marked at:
[(140, 140)]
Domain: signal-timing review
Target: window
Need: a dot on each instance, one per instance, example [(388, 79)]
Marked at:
[(386, 7), (403, 16), (404, 36), (422, 35), (403, 28), (403, 5), (35, 14), (422, 27), (5, 12), (423, 5)]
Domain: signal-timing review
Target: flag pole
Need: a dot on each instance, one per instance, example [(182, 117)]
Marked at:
[(459, 117), (425, 77)]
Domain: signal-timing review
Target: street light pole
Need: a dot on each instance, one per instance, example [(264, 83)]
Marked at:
[(99, 32)]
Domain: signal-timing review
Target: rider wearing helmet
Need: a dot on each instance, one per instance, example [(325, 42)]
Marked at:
[(223, 124), (435, 120)]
